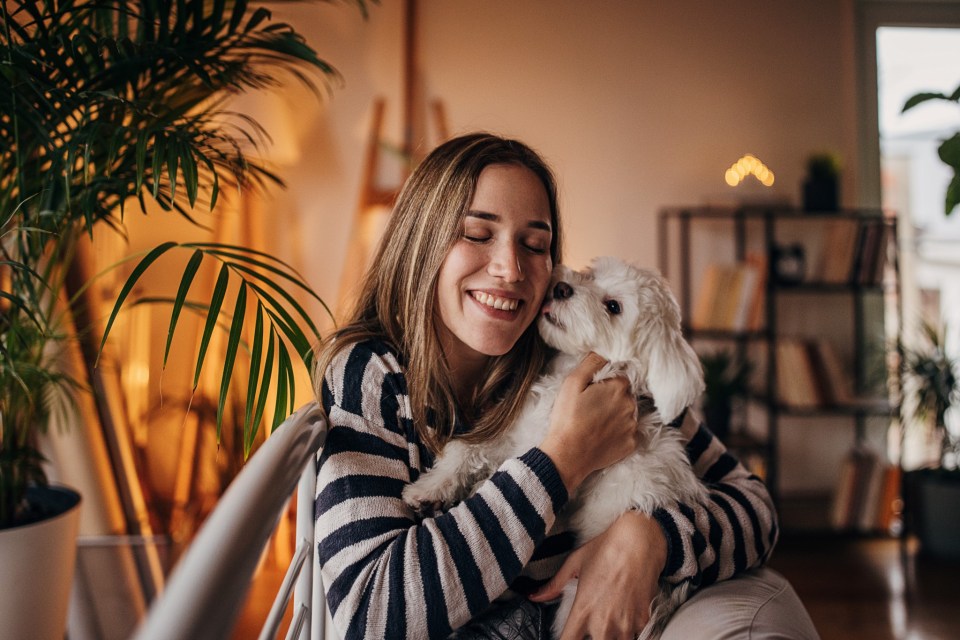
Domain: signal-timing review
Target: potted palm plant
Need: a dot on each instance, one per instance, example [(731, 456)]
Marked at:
[(932, 387), (104, 102)]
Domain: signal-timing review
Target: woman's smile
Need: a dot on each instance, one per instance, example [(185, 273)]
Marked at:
[(496, 302)]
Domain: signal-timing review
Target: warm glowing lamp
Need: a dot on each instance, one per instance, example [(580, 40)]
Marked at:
[(748, 165)]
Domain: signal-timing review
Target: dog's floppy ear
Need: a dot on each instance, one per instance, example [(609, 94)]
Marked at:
[(674, 377), (674, 373)]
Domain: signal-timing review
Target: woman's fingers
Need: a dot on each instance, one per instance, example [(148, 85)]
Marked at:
[(592, 425), (582, 375), (618, 579), (567, 572)]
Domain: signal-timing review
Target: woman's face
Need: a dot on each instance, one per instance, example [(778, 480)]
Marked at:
[(493, 280)]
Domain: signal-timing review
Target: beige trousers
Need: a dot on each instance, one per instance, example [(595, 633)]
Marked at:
[(757, 605)]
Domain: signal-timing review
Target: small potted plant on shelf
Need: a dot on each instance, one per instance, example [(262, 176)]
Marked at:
[(726, 378), (821, 188), (101, 103), (931, 380)]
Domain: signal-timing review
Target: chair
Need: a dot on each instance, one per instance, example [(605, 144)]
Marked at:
[(208, 585)]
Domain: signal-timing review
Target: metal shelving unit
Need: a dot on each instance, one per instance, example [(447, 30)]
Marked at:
[(758, 227)]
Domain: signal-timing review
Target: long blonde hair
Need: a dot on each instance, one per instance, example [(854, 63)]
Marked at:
[(399, 290)]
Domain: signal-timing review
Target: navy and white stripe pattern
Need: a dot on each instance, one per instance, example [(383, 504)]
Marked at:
[(735, 531), (389, 574)]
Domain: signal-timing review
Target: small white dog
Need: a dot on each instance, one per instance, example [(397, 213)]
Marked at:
[(628, 316)]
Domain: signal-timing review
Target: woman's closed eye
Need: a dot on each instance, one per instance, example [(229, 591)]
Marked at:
[(536, 248)]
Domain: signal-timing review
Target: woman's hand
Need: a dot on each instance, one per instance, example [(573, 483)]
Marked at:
[(592, 424), (619, 572)]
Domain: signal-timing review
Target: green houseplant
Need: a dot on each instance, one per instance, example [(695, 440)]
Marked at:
[(933, 377), (949, 149), (932, 383), (104, 102), (726, 379)]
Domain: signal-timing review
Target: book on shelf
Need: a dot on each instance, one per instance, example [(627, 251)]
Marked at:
[(833, 378), (890, 502), (853, 252), (731, 296), (874, 274), (810, 375), (702, 316), (839, 248), (866, 516), (757, 304), (870, 256), (868, 253), (796, 378), (844, 491), (867, 496)]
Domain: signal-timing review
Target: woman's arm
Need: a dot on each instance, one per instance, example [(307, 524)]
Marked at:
[(734, 531), (619, 571), (388, 574)]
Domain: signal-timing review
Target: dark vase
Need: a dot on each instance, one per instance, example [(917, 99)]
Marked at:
[(936, 498), (821, 194)]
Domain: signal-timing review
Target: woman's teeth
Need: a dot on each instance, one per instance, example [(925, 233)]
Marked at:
[(503, 304)]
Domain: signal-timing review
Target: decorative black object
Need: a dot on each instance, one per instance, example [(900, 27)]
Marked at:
[(933, 511), (820, 194), (788, 264), (821, 191)]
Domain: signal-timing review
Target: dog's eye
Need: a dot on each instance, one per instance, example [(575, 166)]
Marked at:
[(613, 307)]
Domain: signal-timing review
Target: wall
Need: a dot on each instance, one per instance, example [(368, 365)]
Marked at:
[(637, 105)]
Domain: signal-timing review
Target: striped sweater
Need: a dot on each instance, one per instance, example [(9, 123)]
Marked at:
[(390, 574)]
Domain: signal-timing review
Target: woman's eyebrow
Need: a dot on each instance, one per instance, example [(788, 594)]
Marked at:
[(493, 217)]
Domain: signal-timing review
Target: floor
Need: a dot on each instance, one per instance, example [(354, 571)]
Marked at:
[(872, 588), (854, 589)]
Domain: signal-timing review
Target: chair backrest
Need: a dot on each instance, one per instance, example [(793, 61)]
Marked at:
[(210, 582)]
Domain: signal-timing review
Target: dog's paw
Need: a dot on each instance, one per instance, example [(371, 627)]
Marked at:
[(432, 492), (421, 499), (419, 493)]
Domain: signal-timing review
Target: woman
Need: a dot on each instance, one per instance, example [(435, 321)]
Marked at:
[(443, 344)]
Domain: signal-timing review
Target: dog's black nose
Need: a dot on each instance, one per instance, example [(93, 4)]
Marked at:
[(562, 290)]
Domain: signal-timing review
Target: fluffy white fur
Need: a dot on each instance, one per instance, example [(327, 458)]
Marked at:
[(628, 316)]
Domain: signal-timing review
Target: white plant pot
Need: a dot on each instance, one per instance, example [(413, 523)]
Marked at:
[(36, 571)]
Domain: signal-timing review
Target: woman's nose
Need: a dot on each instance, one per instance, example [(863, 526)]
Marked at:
[(506, 264), (562, 290)]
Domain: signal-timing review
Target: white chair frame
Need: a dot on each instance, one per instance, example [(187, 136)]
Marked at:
[(208, 585)]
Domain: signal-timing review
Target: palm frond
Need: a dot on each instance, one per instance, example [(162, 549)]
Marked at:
[(280, 319), (109, 98)]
